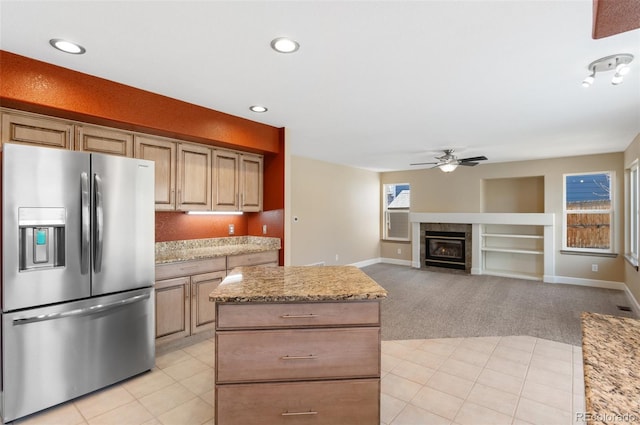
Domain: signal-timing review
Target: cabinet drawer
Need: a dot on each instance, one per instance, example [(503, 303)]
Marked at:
[(347, 402), (280, 355), (188, 268), (252, 259), (291, 315)]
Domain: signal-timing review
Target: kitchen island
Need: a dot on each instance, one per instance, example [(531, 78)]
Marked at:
[(611, 357), (297, 343)]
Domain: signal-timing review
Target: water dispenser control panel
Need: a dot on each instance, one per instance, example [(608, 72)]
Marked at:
[(41, 237)]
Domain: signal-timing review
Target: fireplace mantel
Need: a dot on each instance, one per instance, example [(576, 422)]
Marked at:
[(477, 221)]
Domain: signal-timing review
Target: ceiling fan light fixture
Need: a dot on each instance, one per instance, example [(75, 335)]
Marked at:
[(448, 167)]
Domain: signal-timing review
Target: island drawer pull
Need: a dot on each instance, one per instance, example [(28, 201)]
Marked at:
[(299, 316), (309, 357), (310, 412)]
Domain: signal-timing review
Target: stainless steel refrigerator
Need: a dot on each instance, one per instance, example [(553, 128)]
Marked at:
[(77, 274)]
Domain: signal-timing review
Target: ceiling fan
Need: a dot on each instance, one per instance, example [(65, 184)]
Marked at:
[(449, 162)]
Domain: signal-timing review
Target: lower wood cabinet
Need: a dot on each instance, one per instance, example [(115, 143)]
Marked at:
[(182, 297), (296, 363), (182, 292), (324, 402)]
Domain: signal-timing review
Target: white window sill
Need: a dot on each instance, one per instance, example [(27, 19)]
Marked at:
[(631, 260), (589, 253)]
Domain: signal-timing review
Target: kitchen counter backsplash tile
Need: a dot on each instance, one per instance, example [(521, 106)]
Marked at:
[(297, 284), (196, 249)]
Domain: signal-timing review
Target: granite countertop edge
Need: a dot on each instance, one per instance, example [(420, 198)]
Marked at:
[(202, 249), (284, 284)]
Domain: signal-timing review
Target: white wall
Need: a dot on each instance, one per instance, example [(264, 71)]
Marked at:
[(338, 212)]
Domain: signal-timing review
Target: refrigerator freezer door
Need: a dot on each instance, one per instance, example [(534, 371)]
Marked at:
[(54, 354), (42, 189), (123, 219)]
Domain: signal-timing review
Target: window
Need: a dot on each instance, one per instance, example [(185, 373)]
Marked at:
[(632, 234), (588, 212), (396, 200)]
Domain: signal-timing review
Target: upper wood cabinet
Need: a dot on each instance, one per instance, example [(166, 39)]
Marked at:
[(188, 176), (163, 153), (36, 130), (194, 177), (237, 181), (226, 189), (91, 138), (251, 182)]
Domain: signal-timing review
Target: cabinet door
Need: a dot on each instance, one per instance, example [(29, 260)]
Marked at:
[(173, 308), (36, 130), (104, 140), (203, 311), (194, 177), (225, 180), (163, 154), (250, 182)]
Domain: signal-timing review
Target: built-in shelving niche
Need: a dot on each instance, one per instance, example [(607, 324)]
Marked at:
[(513, 195), (513, 250)]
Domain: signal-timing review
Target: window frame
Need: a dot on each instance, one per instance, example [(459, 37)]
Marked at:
[(386, 212), (632, 212), (609, 211)]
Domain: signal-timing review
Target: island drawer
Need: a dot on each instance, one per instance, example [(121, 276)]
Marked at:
[(298, 315), (283, 355), (252, 259), (348, 402), (189, 268)]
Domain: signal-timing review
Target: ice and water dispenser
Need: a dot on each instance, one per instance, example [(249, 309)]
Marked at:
[(41, 238)]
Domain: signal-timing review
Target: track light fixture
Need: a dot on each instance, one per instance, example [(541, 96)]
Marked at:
[(618, 63)]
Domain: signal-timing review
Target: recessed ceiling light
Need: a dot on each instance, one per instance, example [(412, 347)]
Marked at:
[(258, 108), (67, 46), (284, 45)]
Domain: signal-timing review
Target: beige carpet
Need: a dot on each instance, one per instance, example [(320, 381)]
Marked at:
[(424, 304)]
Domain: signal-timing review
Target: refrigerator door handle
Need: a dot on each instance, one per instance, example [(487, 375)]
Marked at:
[(85, 223), (80, 311), (99, 224)]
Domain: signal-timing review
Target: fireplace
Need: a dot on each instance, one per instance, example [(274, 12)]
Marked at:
[(445, 249)]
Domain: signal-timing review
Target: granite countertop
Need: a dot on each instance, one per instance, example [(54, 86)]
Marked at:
[(297, 284), (611, 357), (198, 249)]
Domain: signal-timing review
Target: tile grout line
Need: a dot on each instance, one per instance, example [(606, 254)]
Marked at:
[(524, 381)]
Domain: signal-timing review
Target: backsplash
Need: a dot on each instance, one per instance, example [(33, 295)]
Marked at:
[(170, 246)]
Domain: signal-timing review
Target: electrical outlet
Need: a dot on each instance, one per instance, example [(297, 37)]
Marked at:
[(232, 229), (337, 257), (264, 229), (594, 267), (399, 250)]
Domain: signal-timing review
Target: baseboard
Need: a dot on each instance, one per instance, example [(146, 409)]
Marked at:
[(607, 284), (397, 261), (365, 263), (636, 305), (371, 261)]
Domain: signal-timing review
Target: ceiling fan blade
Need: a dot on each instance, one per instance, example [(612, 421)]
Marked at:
[(424, 163), (473, 158), (468, 164)]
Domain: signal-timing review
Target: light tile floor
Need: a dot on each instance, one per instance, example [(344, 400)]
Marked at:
[(515, 380)]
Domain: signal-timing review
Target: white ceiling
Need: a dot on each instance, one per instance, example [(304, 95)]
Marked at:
[(376, 85)]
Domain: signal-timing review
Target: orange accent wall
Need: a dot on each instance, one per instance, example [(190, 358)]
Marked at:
[(37, 86), (30, 85)]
